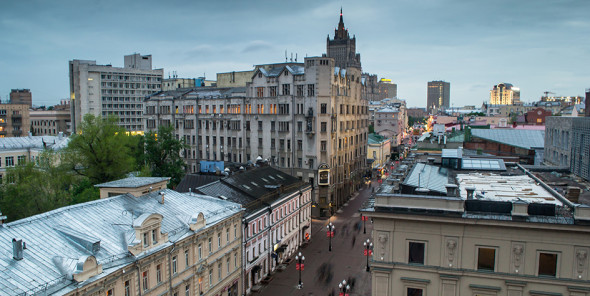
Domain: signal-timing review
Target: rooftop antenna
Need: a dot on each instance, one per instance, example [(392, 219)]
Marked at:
[(291, 57), (285, 55), (295, 57)]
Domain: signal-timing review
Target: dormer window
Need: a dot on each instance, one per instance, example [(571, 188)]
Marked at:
[(154, 237), (146, 242)]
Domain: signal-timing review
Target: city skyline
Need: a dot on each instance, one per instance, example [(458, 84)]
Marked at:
[(471, 45)]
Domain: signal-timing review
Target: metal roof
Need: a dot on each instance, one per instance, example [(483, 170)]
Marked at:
[(433, 178), (34, 142), (55, 241), (132, 182), (527, 139), (452, 153), (486, 164)]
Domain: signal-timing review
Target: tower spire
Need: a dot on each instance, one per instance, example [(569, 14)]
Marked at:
[(341, 31)]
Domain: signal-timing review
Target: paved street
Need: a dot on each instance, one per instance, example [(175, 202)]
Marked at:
[(346, 260)]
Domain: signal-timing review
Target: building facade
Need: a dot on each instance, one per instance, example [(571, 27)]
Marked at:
[(387, 89), (21, 96), (161, 243), (504, 94), (50, 122), (558, 140), (104, 90), (343, 48), (379, 151), (472, 243), (438, 96), (14, 120), (301, 117), (391, 123), (277, 221)]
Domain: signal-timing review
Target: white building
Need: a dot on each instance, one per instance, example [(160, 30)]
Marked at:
[(104, 90), (277, 219)]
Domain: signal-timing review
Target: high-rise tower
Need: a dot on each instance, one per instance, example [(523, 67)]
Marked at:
[(343, 48)]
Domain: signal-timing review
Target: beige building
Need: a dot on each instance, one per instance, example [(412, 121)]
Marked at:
[(104, 90), (490, 234), (14, 120), (505, 94), (379, 151), (234, 78), (21, 96), (50, 122), (160, 243)]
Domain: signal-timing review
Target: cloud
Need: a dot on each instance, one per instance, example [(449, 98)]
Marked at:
[(257, 45)]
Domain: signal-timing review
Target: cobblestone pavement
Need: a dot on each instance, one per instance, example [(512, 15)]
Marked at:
[(346, 260)]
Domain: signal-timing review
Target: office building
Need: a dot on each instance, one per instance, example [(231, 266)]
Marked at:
[(438, 96), (104, 90), (505, 94), (161, 242), (484, 232), (343, 48), (21, 96)]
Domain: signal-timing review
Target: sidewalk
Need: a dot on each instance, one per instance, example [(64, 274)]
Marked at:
[(346, 261)]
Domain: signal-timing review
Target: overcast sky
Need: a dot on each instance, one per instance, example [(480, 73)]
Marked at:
[(537, 45)]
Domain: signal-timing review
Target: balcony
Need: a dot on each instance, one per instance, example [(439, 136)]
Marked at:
[(309, 112)]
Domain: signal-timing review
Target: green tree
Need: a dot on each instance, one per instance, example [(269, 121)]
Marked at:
[(102, 151), (162, 154), (34, 188)]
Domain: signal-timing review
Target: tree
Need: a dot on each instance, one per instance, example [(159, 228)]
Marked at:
[(34, 188), (162, 154), (101, 151)]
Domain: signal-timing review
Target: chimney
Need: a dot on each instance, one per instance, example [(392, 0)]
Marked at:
[(2, 218), (17, 249), (470, 191), (60, 135), (451, 189), (162, 200), (573, 193)]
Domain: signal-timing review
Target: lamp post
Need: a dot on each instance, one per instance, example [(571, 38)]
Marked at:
[(344, 288), (364, 218), (330, 234), (368, 251), (299, 258)]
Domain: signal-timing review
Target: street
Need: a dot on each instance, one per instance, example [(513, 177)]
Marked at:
[(345, 261)]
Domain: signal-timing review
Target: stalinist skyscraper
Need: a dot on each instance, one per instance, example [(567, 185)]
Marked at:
[(343, 48)]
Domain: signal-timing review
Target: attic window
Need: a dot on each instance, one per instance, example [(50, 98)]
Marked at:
[(254, 184), (247, 187), (272, 177), (259, 75), (265, 180), (281, 177)]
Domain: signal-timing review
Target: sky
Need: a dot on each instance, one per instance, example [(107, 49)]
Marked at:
[(537, 45)]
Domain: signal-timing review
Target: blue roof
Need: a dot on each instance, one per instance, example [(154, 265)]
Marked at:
[(433, 178)]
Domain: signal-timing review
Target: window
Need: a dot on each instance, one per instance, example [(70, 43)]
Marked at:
[(227, 265), (416, 253), (146, 241), (145, 280), (174, 265), (186, 259), (299, 126), (154, 237), (324, 127), (127, 288), (210, 277), (548, 264), (486, 259), (310, 90), (219, 240), (259, 92), (159, 273), (323, 145), (286, 89), (210, 246), (259, 125), (273, 91), (9, 161), (21, 159), (187, 290), (415, 292), (110, 292), (200, 252), (219, 272), (323, 108), (235, 260), (235, 231)]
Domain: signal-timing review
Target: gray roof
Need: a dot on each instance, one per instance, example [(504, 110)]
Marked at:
[(132, 182), (433, 178), (276, 71), (452, 153), (193, 181), (34, 142), (56, 240), (527, 139)]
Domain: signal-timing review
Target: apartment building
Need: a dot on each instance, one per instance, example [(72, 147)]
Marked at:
[(50, 122), (104, 90), (484, 232), (277, 220), (14, 120), (505, 94), (162, 242), (19, 150)]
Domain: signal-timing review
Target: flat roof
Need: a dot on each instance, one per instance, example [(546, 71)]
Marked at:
[(495, 187), (132, 182)]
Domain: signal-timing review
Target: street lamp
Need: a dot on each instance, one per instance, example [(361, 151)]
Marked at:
[(300, 267), (364, 218), (330, 234), (368, 251), (344, 288)]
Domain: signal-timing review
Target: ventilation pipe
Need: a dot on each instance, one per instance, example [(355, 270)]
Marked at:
[(162, 199), (17, 249)]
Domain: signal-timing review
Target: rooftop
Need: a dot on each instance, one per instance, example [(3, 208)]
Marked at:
[(34, 142), (527, 139), (55, 241), (132, 182)]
